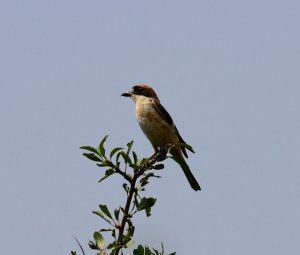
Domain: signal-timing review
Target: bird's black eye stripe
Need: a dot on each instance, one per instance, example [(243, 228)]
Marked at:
[(140, 91), (136, 89)]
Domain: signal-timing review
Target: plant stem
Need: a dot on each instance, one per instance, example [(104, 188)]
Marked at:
[(132, 190), (126, 212)]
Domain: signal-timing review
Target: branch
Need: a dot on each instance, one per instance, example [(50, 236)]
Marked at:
[(138, 173), (119, 171), (123, 229)]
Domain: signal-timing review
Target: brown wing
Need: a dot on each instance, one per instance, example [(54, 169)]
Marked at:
[(166, 116), (163, 112)]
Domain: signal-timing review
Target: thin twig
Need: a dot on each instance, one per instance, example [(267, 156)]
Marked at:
[(119, 171), (79, 245)]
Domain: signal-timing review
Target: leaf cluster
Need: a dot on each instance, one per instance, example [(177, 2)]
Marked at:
[(136, 174)]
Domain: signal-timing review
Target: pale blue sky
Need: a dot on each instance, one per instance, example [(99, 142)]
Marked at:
[(227, 71)]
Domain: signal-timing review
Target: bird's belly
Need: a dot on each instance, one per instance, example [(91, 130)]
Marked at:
[(157, 130)]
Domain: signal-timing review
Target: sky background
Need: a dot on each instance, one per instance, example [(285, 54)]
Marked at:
[(227, 71)]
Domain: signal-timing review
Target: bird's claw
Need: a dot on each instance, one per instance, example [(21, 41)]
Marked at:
[(159, 155)]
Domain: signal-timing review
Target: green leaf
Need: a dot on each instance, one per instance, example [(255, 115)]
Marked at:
[(99, 239), (129, 243), (122, 209), (156, 251), (100, 214), (105, 229), (92, 156), (117, 157), (113, 233), (135, 200), (162, 248), (147, 251), (73, 252), (126, 157), (158, 167), (90, 148), (134, 167), (108, 173), (114, 151), (125, 187), (101, 146), (129, 146), (135, 158), (148, 211), (130, 229), (112, 245), (139, 250), (144, 181), (117, 213), (105, 210), (93, 246), (104, 163), (146, 203)]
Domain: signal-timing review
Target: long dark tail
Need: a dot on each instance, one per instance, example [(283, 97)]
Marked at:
[(190, 177), (177, 156)]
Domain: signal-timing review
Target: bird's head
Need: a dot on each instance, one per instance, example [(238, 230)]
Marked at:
[(141, 90)]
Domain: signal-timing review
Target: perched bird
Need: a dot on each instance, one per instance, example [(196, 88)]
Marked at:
[(159, 127)]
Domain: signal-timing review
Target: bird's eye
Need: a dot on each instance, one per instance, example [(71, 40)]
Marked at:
[(136, 89)]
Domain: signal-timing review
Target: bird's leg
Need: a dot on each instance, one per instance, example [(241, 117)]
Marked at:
[(161, 154), (156, 151)]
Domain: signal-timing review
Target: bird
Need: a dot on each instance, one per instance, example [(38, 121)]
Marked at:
[(158, 126)]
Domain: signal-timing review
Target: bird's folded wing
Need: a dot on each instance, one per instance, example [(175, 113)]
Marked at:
[(163, 112), (166, 116)]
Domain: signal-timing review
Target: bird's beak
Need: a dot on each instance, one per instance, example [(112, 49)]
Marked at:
[(127, 94)]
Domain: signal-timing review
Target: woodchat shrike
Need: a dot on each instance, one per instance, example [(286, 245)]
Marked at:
[(159, 128)]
